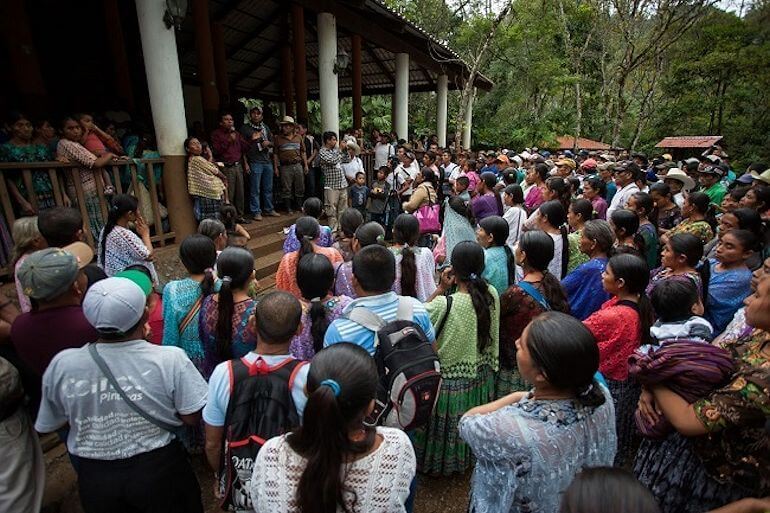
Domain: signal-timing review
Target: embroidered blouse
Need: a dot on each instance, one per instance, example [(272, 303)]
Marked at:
[(301, 346), (242, 341), (617, 330), (425, 284), (286, 277), (123, 249), (528, 453), (457, 342)]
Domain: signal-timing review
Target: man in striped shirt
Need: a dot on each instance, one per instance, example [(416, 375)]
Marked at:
[(374, 271)]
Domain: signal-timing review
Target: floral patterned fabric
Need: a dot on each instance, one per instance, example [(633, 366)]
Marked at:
[(76, 153), (242, 341), (286, 276), (667, 219), (301, 346), (664, 273), (41, 182), (700, 229), (737, 447)]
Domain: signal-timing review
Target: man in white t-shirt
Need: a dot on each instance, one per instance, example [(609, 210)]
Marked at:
[(383, 150), (403, 176), (355, 165), (126, 460), (625, 175)]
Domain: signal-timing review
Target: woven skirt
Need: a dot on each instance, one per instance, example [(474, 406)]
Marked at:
[(437, 445), (625, 396), (206, 208), (674, 474), (508, 381)]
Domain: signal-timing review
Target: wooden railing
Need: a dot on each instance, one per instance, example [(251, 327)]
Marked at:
[(60, 173)]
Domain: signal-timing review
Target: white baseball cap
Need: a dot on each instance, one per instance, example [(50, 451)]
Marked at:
[(114, 305)]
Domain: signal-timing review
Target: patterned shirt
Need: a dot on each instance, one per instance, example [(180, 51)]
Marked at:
[(737, 447), (334, 177), (457, 348), (123, 249), (302, 345), (700, 229)]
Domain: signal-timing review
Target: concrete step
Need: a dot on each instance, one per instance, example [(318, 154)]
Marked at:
[(270, 225)]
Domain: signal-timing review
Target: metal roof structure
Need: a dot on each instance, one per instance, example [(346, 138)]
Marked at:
[(689, 141), (255, 30)]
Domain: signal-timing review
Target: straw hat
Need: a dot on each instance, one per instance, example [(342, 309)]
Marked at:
[(287, 120), (353, 146), (678, 174)]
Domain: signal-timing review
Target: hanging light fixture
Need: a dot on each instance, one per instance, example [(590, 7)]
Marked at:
[(176, 10), (342, 62)]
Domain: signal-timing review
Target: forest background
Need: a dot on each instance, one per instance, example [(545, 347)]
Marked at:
[(625, 72)]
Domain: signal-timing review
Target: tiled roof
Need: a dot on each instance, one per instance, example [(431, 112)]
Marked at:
[(689, 141), (567, 142)]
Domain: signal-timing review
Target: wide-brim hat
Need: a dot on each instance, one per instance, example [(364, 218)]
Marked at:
[(679, 175), (353, 146), (287, 120), (764, 177)]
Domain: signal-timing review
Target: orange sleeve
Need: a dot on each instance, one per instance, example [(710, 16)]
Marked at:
[(283, 278)]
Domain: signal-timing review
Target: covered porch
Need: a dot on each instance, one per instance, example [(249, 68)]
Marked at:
[(178, 62)]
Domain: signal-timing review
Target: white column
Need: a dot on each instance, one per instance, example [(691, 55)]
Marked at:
[(401, 122), (442, 88), (327, 78), (164, 82), (468, 122)]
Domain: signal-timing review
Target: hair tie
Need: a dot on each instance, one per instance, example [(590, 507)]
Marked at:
[(315, 300), (587, 390), (208, 270), (380, 239), (333, 385), (226, 279), (473, 276), (406, 245)]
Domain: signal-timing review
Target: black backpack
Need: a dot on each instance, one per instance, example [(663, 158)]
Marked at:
[(409, 370), (260, 407)]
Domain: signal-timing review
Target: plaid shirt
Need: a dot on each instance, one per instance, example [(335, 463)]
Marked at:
[(330, 160)]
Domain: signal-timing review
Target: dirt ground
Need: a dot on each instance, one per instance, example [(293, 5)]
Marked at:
[(434, 494)]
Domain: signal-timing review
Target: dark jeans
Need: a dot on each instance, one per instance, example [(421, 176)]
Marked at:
[(261, 187), (159, 481), (292, 177), (313, 188)]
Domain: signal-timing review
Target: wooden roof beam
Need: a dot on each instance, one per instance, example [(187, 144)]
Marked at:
[(253, 34)]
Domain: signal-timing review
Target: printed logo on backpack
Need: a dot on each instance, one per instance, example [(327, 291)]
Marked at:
[(261, 407)]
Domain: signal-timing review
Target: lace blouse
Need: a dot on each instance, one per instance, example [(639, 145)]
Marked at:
[(380, 480), (425, 285), (529, 452)]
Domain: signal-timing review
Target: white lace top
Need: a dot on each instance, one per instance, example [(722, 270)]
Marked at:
[(380, 480)]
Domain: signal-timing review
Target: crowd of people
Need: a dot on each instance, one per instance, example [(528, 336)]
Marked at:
[(587, 332)]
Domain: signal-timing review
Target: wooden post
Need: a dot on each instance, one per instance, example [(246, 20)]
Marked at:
[(206, 72), (300, 65), (286, 78), (121, 73), (357, 114), (23, 65), (220, 61)]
